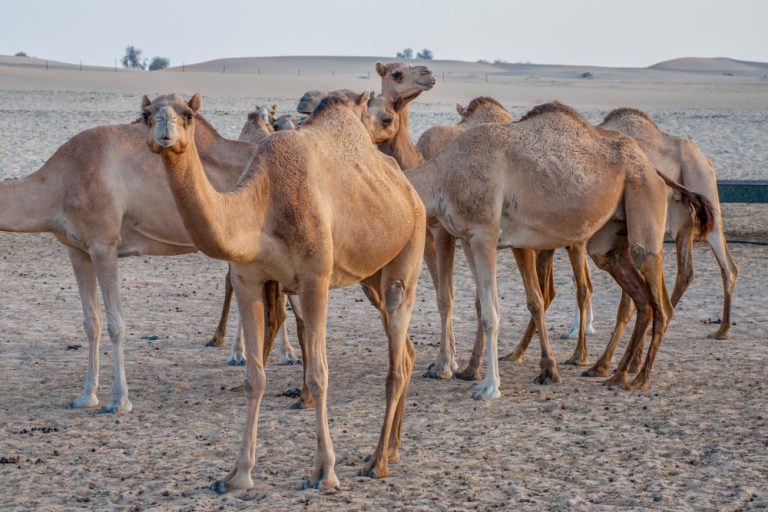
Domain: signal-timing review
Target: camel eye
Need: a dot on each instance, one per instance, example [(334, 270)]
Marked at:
[(386, 122), (188, 116), (397, 75), (145, 116)]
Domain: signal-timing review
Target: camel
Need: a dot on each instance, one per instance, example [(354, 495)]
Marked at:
[(288, 122), (316, 208), (495, 185), (681, 160), (311, 99), (103, 194), (390, 121), (258, 124)]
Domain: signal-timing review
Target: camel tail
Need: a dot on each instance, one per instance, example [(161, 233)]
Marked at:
[(274, 315), (701, 207)]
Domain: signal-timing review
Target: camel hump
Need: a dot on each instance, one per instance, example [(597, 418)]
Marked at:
[(627, 112)]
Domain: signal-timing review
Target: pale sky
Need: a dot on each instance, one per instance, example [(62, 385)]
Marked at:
[(634, 33)]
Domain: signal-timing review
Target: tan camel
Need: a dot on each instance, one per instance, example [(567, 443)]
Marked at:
[(316, 208), (552, 180), (311, 99), (681, 160), (390, 122), (104, 195), (258, 124)]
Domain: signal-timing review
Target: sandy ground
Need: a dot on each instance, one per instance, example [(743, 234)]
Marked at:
[(697, 441)]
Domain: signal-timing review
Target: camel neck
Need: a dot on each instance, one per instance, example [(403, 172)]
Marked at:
[(400, 147), (223, 159), (223, 226), (425, 180)]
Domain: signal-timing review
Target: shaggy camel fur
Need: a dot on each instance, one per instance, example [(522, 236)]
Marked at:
[(307, 213), (681, 160), (258, 124), (495, 186), (104, 195)]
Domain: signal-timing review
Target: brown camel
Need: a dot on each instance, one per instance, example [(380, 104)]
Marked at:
[(104, 195), (496, 186), (681, 160), (308, 213)]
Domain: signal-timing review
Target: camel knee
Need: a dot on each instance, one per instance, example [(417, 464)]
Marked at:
[(316, 383), (534, 306), (490, 320), (254, 386), (92, 327), (115, 327), (394, 296)]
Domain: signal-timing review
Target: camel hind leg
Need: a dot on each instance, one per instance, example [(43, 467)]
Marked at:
[(472, 371), (729, 272), (544, 271), (217, 340), (445, 247), (397, 288), (87, 286), (577, 254)]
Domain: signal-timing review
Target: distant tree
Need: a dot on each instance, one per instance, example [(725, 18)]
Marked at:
[(483, 61), (159, 63), (499, 61), (405, 54), (21, 54), (132, 59), (587, 75), (425, 54)]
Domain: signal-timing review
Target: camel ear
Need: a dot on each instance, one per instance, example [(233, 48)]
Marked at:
[(145, 102), (273, 110), (460, 109), (196, 102), (381, 69), (362, 100)]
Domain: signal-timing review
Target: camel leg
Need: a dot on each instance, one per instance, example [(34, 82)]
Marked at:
[(104, 258), (304, 401), (483, 265), (236, 355), (86, 285), (430, 258), (286, 355), (729, 271), (250, 303), (397, 284), (314, 303), (445, 246), (577, 254), (526, 262), (544, 271), (573, 330), (623, 314), (221, 330), (662, 310), (472, 371)]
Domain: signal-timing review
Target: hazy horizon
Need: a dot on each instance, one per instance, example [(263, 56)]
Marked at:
[(591, 32)]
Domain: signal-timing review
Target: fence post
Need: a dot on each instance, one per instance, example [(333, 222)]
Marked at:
[(115, 65), (183, 67), (46, 65), (81, 65), (299, 71), (224, 68)]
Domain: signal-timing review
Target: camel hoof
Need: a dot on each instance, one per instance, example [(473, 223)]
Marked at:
[(215, 342), (618, 379), (236, 360), (219, 487), (83, 402), (486, 390), (369, 474), (123, 406), (718, 335), (577, 361), (288, 361), (548, 376), (595, 372), (469, 374), (433, 372)]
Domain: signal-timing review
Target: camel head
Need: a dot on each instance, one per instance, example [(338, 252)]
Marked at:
[(287, 122), (267, 113), (256, 127), (311, 99), (358, 104), (171, 121), (483, 110), (384, 115), (404, 81)]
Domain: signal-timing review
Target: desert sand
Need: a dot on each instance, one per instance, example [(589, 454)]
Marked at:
[(697, 441)]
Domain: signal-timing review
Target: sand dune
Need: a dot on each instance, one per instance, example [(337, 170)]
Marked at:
[(711, 65)]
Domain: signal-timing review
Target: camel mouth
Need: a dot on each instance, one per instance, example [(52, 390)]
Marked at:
[(165, 142), (427, 84)]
